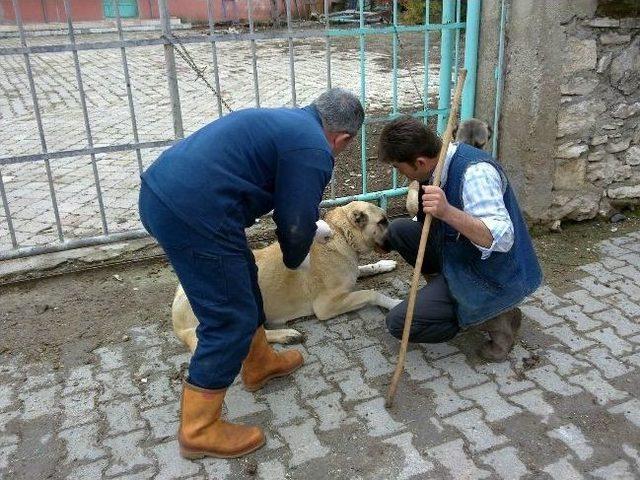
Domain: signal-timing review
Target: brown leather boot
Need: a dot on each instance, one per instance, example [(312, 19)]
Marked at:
[(202, 431), (502, 330), (263, 363)]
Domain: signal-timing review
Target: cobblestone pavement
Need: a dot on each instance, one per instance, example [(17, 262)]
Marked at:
[(564, 406), (28, 193)]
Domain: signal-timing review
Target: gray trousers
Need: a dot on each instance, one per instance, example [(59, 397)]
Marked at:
[(434, 319)]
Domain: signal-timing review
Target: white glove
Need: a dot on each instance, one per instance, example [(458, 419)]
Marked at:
[(323, 233), (305, 264)]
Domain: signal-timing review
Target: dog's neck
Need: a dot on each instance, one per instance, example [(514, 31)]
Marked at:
[(342, 236)]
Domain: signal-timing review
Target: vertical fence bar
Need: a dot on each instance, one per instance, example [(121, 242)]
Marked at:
[(394, 81), (363, 130), (254, 60), (7, 212), (127, 79), (499, 79), (292, 73), (328, 57), (85, 114), (214, 54), (170, 68), (472, 35), (425, 86), (446, 40), (36, 110), (456, 59)]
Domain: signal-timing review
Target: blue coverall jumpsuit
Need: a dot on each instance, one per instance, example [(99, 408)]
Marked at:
[(197, 198)]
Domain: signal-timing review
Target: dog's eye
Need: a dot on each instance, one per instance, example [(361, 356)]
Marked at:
[(383, 221)]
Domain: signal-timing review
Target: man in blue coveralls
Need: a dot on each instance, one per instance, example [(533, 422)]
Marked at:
[(479, 254), (196, 199)]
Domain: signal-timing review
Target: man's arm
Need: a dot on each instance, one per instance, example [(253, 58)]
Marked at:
[(300, 182), (485, 220)]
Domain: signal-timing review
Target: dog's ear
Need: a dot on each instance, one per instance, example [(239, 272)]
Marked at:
[(359, 218), (490, 130)]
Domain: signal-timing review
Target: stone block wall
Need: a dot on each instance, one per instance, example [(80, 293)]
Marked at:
[(597, 155)]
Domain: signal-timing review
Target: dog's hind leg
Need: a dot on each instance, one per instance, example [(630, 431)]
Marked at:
[(329, 307), (189, 338), (383, 266)]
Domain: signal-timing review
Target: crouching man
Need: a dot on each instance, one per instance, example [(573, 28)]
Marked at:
[(479, 259)]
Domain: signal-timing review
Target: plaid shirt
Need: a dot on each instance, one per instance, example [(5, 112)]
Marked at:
[(482, 197)]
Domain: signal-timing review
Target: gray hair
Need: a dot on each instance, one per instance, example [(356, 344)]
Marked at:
[(340, 111)]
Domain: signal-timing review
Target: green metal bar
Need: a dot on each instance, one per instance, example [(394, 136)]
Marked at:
[(425, 86), (499, 79), (456, 61), (365, 197), (384, 202), (352, 32), (471, 39), (394, 88), (446, 44), (363, 130)]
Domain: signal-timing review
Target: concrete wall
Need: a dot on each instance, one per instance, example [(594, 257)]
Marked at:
[(568, 81)]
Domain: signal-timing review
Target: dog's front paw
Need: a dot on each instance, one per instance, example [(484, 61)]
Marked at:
[(388, 302), (284, 336), (384, 266)]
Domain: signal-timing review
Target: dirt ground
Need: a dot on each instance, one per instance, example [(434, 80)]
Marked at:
[(64, 318)]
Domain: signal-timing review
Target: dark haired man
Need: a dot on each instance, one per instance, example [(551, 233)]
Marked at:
[(479, 255)]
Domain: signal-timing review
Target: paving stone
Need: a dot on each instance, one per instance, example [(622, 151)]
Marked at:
[(126, 453), (588, 303), (122, 416), (629, 288), (303, 443), (632, 258), (80, 378), (632, 453), (82, 443), (606, 363), (548, 299), (284, 406), (5, 437), (566, 364), (40, 402), (315, 332), (446, 399), (563, 470), (240, 402), (374, 362), (414, 464), (110, 357), (630, 409), (462, 375), (79, 408), (452, 455), (614, 317), (607, 337), (331, 357), (618, 470), (623, 302), (417, 368), (580, 320), (330, 411), (547, 378), (6, 396), (163, 420), (271, 470), (379, 422), (170, 464), (5, 454), (569, 338), (573, 438), (594, 287), (506, 463), (630, 272), (90, 471), (434, 351), (540, 316), (353, 386), (494, 406), (116, 384), (599, 271), (507, 380), (146, 336), (598, 387), (475, 430), (158, 392)]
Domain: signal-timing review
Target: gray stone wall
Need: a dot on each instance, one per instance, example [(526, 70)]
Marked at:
[(570, 112)]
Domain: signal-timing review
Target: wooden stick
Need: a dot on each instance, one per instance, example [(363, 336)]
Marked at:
[(417, 270)]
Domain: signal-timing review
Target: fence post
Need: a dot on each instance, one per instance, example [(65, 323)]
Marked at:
[(471, 37), (446, 57), (170, 66)]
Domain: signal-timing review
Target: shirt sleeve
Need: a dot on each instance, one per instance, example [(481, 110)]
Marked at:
[(482, 196), (301, 177)]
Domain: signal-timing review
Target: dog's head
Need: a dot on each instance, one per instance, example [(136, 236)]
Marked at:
[(363, 225), (473, 132)]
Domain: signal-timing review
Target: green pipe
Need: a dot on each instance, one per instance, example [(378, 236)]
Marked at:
[(471, 38), (446, 50)]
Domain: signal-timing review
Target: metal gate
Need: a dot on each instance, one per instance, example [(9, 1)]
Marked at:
[(69, 178)]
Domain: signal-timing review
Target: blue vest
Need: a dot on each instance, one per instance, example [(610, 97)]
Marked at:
[(484, 288)]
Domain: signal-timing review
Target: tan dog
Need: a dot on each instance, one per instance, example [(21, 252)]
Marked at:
[(324, 289), (473, 132)]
